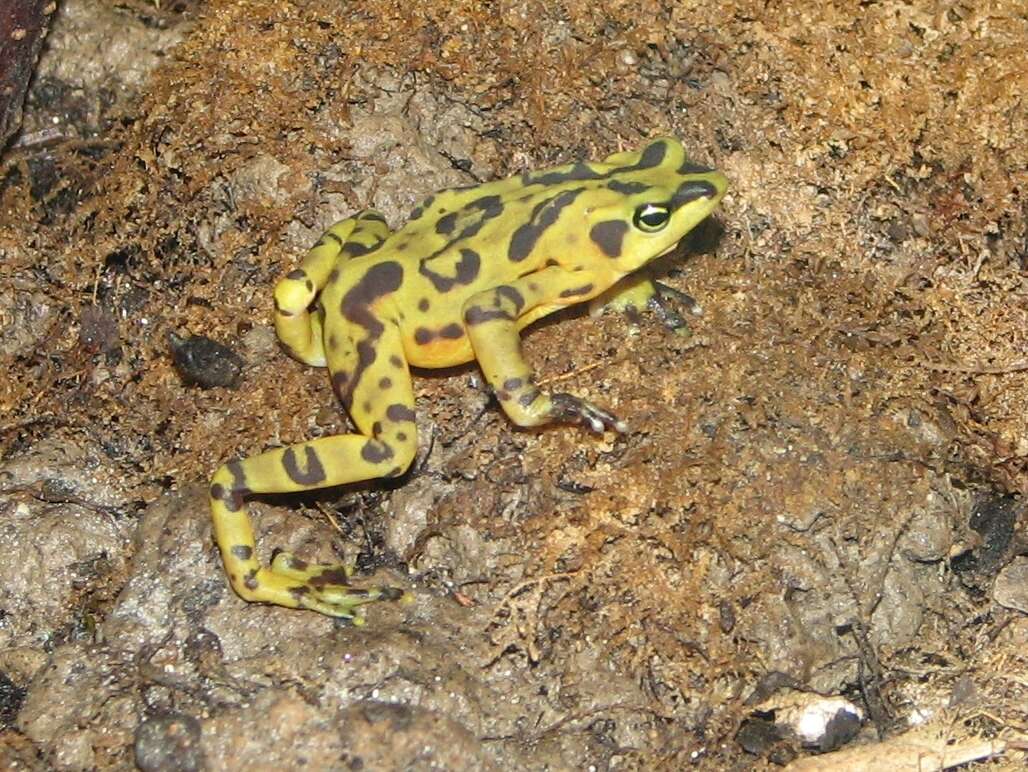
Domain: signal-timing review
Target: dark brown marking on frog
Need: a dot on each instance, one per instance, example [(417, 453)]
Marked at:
[(489, 206), (399, 412), (690, 191), (444, 225), (250, 580), (465, 270), (691, 167), (366, 355), (544, 215), (233, 498), (575, 292), (356, 249), (627, 188), (376, 451), (652, 156), (452, 331), (329, 576), (529, 397), (476, 315), (511, 294), (608, 236), (579, 172), (242, 552), (314, 474), (339, 381), (378, 281)]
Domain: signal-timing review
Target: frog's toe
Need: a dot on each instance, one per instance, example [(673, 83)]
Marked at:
[(568, 407), (663, 303), (326, 588), (667, 293)]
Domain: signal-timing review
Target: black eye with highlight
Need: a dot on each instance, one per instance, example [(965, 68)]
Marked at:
[(651, 218)]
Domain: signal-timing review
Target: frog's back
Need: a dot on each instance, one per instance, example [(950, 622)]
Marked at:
[(461, 242)]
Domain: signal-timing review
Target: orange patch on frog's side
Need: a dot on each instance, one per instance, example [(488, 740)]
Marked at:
[(437, 350)]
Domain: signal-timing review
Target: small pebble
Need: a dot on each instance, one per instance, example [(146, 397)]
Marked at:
[(205, 362)]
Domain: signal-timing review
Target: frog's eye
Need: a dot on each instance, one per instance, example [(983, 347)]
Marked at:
[(651, 218)]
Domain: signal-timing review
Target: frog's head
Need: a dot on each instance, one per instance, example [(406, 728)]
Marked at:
[(655, 197)]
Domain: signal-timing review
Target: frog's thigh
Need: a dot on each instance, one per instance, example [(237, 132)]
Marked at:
[(371, 377), (377, 389), (299, 330)]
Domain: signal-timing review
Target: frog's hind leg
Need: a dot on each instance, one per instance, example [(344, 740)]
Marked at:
[(372, 379), (300, 330)]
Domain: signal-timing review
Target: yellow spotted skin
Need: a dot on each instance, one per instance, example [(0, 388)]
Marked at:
[(469, 270)]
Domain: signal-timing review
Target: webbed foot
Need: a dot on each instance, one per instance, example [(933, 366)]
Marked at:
[(663, 302), (568, 407), (636, 293)]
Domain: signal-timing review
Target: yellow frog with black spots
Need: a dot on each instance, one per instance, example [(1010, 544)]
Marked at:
[(469, 270)]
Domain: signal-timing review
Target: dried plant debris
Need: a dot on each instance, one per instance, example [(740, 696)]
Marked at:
[(821, 492)]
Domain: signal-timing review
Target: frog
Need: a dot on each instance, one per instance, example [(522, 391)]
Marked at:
[(470, 269)]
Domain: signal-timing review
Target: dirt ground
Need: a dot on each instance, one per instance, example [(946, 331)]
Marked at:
[(822, 492)]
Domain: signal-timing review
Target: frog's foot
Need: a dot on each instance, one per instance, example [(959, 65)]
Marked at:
[(663, 302), (638, 292), (324, 587), (568, 407)]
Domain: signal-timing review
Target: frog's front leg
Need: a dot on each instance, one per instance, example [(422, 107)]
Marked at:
[(493, 319), (372, 379), (299, 330)]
